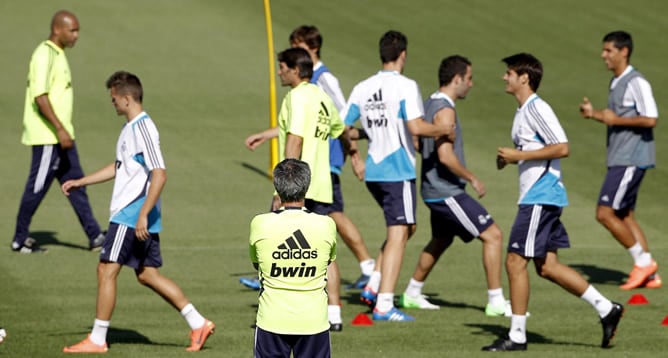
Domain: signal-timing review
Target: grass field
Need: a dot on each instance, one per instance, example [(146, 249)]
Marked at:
[(204, 68)]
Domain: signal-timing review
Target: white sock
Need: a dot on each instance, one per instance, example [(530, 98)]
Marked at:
[(518, 329), (640, 257), (334, 313), (194, 319), (385, 302), (367, 266), (495, 297), (601, 304), (414, 288), (374, 281), (99, 333)]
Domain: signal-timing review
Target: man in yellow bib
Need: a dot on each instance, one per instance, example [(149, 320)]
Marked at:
[(48, 130)]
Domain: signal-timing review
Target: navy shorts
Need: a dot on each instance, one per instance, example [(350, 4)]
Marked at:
[(620, 187), (458, 215), (274, 345), (337, 200), (122, 246), (537, 230), (397, 200)]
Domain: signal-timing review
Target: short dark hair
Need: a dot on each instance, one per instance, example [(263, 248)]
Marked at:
[(308, 34), (391, 45), (126, 83), (523, 63), (620, 39), (298, 58), (450, 67), (292, 178)]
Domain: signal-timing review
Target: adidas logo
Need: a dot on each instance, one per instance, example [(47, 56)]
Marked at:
[(294, 248), (483, 219), (375, 101), (605, 198), (515, 245)]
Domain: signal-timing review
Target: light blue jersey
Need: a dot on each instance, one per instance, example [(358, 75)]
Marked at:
[(536, 126), (384, 103), (137, 154)]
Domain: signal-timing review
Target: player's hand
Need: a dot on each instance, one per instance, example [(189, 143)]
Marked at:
[(254, 140), (453, 133), (479, 187), (141, 228), (500, 162), (70, 185), (358, 165), (509, 155), (64, 138)]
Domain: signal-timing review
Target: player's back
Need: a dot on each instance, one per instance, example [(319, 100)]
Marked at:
[(384, 103)]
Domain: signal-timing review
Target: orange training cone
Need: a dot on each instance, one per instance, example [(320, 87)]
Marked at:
[(362, 320), (665, 321), (638, 299)]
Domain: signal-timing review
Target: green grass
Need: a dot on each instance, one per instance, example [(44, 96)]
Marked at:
[(204, 67)]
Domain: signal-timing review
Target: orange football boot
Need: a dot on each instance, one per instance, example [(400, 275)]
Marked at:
[(86, 346), (199, 336), (639, 275)]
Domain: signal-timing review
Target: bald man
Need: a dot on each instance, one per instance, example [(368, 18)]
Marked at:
[(48, 130)]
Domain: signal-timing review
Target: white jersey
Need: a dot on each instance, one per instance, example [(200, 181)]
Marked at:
[(638, 94), (137, 153), (534, 127), (330, 84), (384, 103)]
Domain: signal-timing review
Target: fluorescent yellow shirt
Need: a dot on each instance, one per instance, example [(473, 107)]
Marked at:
[(308, 112), (292, 248), (49, 73)]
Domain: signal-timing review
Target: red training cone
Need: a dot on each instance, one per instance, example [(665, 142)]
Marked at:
[(362, 320), (665, 321), (638, 299)]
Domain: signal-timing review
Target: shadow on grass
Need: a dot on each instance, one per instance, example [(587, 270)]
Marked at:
[(600, 275), (126, 336), (532, 338), (48, 238), (130, 336), (256, 170)]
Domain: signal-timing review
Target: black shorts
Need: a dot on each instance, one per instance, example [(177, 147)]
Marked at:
[(268, 344), (458, 215), (122, 246), (537, 230), (620, 187), (397, 200), (337, 200)]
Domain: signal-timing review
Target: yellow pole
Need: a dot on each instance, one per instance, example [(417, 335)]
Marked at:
[(273, 153)]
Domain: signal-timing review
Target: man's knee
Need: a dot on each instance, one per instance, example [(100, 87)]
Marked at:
[(604, 213)]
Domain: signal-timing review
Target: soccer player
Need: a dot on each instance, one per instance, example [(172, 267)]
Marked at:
[(48, 130), (389, 106), (139, 176), (291, 248), (538, 233), (630, 118), (453, 211)]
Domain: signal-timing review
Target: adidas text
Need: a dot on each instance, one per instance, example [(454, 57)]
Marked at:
[(294, 254)]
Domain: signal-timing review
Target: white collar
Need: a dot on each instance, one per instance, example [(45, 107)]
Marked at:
[(439, 94)]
